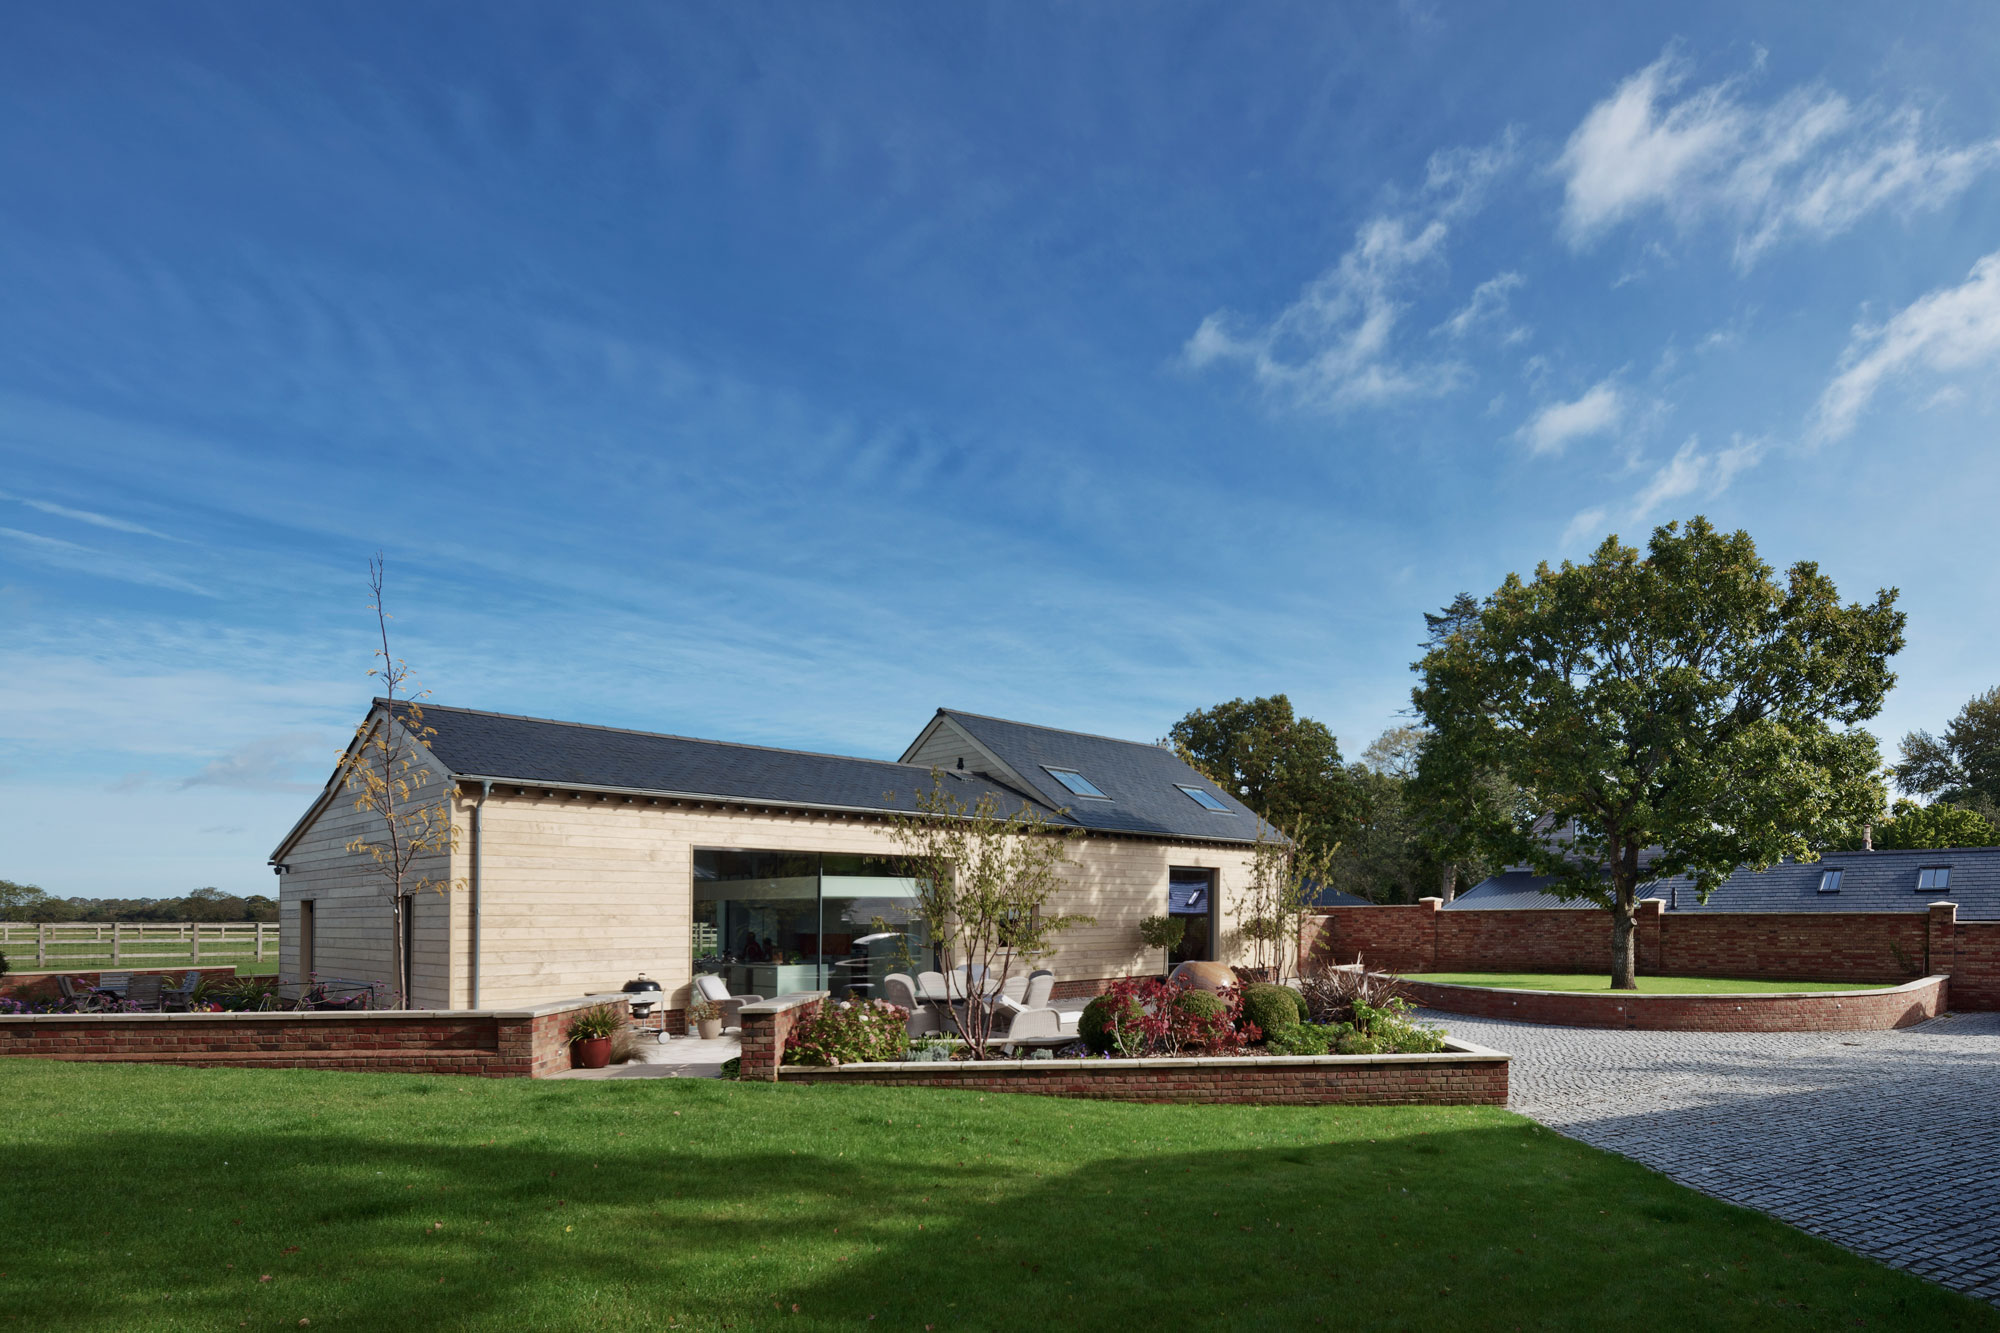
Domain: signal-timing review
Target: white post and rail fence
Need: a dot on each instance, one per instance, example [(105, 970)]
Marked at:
[(46, 946)]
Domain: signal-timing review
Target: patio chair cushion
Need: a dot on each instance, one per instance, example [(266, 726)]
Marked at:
[(1041, 984), (712, 987)]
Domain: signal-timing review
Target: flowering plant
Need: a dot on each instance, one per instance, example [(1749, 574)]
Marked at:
[(1146, 1017), (850, 1032)]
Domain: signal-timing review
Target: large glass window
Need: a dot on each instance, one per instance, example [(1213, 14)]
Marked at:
[(770, 923)]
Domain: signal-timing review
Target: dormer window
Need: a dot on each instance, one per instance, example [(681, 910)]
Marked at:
[(1934, 879), (1207, 800), (1829, 881), (1078, 784)]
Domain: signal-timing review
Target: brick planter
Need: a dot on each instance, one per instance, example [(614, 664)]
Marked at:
[(1797, 1011), (514, 1043), (1461, 1075)]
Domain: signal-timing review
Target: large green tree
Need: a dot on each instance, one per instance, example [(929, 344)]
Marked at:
[(1285, 767), (1963, 765), (1680, 712), (1916, 827)]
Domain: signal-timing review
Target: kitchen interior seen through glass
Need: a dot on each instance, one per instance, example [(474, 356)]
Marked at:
[(770, 923)]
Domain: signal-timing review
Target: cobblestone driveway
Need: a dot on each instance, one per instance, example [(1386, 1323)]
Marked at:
[(1884, 1142)]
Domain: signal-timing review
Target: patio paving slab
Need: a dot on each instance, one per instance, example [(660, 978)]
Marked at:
[(680, 1057)]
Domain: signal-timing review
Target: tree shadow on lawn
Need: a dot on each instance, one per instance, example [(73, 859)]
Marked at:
[(897, 1209)]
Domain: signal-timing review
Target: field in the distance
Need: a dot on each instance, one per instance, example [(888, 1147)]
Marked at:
[(169, 1199), (1573, 981)]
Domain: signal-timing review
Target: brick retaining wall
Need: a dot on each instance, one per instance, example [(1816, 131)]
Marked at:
[(1462, 1075), (523, 1043), (1776, 946), (1825, 1011)]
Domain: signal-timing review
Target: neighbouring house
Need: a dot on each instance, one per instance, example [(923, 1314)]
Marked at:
[(1872, 881), (590, 854)]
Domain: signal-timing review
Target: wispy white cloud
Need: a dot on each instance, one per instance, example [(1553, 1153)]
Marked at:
[(1334, 348), (104, 564), (1601, 408), (1487, 306), (87, 516), (1810, 162), (1949, 330), (1692, 471), (285, 762)]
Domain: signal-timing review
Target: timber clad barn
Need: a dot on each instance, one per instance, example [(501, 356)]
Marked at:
[(587, 855)]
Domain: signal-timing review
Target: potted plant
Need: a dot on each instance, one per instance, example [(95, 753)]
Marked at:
[(704, 1016), (1163, 932), (590, 1034)]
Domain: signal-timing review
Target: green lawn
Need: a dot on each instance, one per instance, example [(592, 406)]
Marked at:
[(157, 1198), (1647, 985)]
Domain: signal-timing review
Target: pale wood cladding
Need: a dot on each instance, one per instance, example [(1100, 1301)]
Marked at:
[(579, 892), (352, 920)]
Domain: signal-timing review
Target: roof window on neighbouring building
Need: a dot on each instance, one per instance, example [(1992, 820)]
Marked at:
[(1077, 783), (1933, 879), (1829, 881), (1205, 799)]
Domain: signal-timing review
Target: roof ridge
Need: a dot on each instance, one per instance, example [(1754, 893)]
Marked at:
[(1062, 731), (656, 735)]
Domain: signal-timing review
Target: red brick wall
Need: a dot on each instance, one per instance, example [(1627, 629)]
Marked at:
[(42, 985), (766, 1027), (1975, 969), (1848, 1011), (492, 1045), (1795, 946), (1432, 1080)]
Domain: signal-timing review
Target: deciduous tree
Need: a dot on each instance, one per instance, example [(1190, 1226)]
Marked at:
[(1284, 767), (1963, 765), (1667, 713), (1916, 827)]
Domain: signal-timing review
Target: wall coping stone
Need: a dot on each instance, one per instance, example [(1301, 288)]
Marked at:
[(1671, 996), (784, 1004)]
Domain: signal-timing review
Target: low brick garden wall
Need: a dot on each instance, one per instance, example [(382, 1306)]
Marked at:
[(1805, 1011), (517, 1043), (1461, 1075)]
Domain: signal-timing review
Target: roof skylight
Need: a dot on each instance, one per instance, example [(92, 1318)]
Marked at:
[(1205, 799), (1078, 784), (1933, 879), (1829, 881)]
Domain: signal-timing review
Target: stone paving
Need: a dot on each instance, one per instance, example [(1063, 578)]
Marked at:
[(1884, 1142), (677, 1057)]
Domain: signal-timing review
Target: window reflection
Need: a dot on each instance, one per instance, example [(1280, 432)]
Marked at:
[(770, 923)]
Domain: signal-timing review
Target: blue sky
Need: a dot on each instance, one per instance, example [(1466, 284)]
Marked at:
[(781, 373)]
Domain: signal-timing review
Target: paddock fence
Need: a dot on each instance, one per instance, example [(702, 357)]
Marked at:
[(44, 946)]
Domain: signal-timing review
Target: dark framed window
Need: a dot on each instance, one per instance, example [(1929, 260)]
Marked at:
[(1077, 783), (770, 923), (1934, 879), (305, 939), (1829, 880), (1191, 900), (1207, 800)]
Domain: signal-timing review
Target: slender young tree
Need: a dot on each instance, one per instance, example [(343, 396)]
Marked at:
[(984, 884), (1271, 906), (387, 771), (1667, 714)]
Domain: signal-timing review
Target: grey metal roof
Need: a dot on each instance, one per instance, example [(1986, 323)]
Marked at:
[(1870, 882), (1143, 781), (1325, 895), (530, 750)]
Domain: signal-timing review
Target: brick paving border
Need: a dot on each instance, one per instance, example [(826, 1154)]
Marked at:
[(1881, 1142)]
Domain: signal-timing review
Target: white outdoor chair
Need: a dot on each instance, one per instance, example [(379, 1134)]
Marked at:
[(931, 988), (897, 988), (716, 991)]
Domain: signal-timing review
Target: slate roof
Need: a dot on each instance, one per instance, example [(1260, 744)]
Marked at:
[(1870, 882), (1143, 781), (531, 750), (1140, 778), (1325, 895)]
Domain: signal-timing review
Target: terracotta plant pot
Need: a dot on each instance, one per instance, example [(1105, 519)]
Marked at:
[(590, 1053), (710, 1028)]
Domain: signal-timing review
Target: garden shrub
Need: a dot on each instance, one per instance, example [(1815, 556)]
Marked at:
[(1330, 995), (1201, 1003), (1272, 1008), (1386, 1030), (850, 1032), (1300, 1039), (1096, 1028)]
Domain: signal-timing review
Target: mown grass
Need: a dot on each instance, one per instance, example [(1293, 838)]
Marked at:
[(1576, 981), (138, 1197)]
